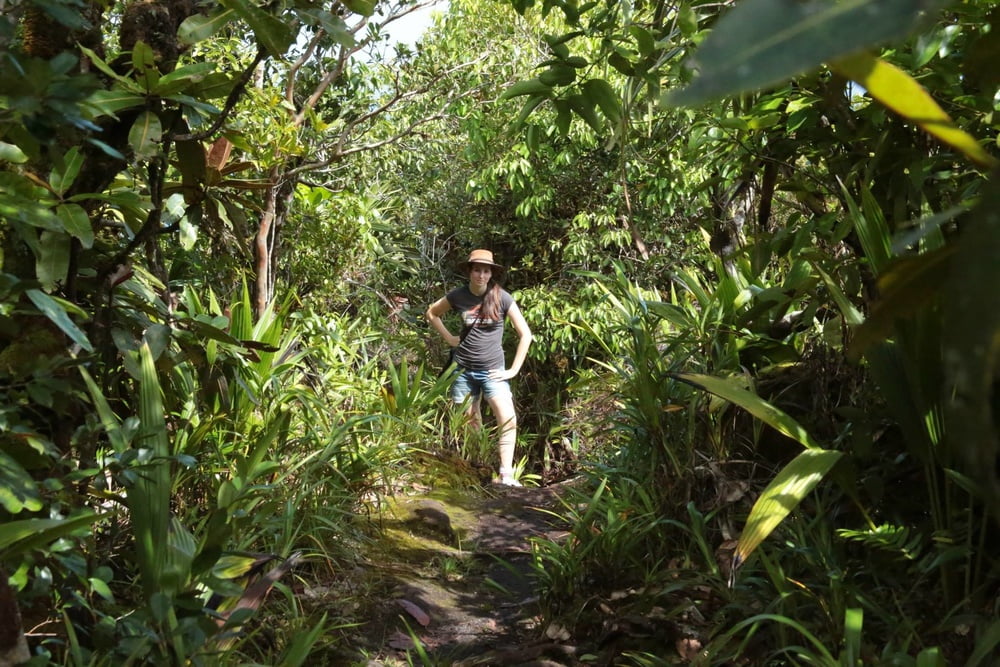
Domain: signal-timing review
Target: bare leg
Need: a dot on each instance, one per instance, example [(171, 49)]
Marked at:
[(474, 415), (503, 410)]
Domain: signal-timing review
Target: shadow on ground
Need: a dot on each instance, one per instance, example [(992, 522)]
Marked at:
[(456, 585)]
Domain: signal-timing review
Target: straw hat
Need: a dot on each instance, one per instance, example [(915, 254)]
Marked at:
[(480, 257)]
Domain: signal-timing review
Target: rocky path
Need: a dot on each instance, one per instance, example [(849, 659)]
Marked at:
[(457, 585)]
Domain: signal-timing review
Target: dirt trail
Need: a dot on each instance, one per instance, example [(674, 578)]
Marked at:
[(459, 579)]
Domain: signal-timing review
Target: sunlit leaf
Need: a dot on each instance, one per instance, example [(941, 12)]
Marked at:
[(900, 92), (363, 7), (752, 403), (18, 491), (64, 174), (145, 135), (76, 222), (793, 483), (273, 33), (12, 153), (687, 19), (144, 64), (199, 27), (759, 43), (108, 71)]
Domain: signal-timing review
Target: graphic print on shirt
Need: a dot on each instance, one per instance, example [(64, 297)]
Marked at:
[(472, 318)]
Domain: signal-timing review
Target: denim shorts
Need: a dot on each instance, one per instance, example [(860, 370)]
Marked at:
[(476, 383)]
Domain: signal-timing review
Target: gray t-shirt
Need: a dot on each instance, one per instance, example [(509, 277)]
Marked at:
[(482, 346)]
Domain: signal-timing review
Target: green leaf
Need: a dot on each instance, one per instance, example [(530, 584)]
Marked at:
[(528, 108), (872, 229), (52, 262), (145, 135), (16, 537), (101, 588), (200, 27), (643, 39), (584, 107), (854, 619), (144, 64), (900, 92), (558, 75), (232, 566), (752, 403), (363, 7), (110, 102), (65, 172), (18, 490), (301, 648), (986, 647), (214, 86), (191, 162), (932, 657), (182, 78), (107, 70), (109, 420), (906, 286), (793, 483), (149, 495), (564, 116), (272, 33), (12, 153), (687, 19), (849, 311), (76, 222), (759, 43), (600, 92), (971, 343), (53, 310), (529, 87)]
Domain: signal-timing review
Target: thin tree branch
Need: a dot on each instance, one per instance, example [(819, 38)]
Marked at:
[(231, 100)]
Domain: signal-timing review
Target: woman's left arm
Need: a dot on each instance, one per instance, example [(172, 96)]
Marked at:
[(523, 342)]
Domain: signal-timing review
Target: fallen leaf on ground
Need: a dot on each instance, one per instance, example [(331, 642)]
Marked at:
[(401, 642), (416, 612), (688, 648)]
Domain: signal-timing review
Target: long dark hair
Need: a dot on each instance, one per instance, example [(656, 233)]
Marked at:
[(490, 310)]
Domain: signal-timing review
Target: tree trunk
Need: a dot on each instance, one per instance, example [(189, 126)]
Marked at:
[(13, 646), (263, 245)]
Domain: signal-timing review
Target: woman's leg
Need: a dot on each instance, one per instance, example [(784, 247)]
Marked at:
[(502, 406), (474, 416), (461, 389)]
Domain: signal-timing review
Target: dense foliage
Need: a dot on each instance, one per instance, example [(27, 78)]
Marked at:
[(756, 242)]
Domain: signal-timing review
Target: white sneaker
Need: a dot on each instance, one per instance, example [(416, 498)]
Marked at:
[(510, 481)]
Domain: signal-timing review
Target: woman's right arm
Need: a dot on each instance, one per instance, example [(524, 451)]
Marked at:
[(434, 313)]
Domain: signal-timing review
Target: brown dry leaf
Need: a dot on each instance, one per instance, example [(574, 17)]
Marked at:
[(688, 648), (416, 612), (557, 632)]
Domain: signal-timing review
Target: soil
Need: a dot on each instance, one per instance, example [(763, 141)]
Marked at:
[(454, 582)]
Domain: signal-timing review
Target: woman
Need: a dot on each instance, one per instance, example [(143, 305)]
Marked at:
[(478, 349)]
